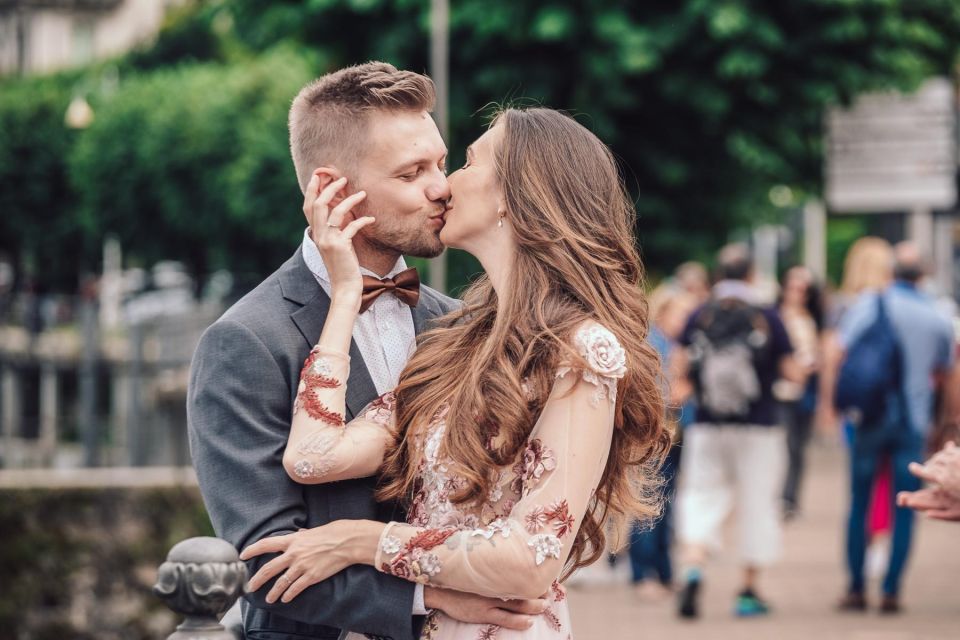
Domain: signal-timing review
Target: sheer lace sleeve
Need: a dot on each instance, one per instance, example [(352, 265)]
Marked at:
[(521, 554), (321, 447)]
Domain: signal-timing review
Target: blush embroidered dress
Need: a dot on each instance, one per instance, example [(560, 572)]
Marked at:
[(513, 546)]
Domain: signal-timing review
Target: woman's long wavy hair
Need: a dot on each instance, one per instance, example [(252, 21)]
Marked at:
[(575, 260)]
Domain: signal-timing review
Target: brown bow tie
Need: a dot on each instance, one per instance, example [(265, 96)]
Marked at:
[(405, 286)]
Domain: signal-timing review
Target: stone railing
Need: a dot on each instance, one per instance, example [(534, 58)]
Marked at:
[(201, 580)]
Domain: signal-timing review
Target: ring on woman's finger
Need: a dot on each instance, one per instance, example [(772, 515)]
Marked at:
[(333, 225)]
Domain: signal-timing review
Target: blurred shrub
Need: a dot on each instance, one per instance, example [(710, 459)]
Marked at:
[(191, 163), (38, 225), (80, 563)]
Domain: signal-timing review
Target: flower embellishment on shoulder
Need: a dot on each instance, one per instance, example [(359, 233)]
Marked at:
[(606, 360), (602, 351)]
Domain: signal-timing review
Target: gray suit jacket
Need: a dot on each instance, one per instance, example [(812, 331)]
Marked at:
[(243, 382)]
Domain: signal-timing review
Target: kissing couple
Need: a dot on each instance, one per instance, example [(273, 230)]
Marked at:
[(396, 463)]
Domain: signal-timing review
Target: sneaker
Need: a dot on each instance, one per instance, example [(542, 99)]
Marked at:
[(853, 601), (688, 606), (749, 604), (890, 604)]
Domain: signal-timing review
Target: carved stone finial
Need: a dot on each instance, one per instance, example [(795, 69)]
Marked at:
[(201, 579)]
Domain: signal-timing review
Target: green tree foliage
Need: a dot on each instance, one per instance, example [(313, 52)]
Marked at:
[(192, 163), (708, 103), (37, 227)]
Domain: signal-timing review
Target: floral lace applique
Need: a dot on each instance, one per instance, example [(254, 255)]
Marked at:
[(318, 446), (414, 560), (606, 359), (537, 459), (316, 375), (312, 469), (535, 520), (381, 410), (557, 513), (489, 632), (559, 595), (500, 526), (545, 545), (431, 626), (552, 620)]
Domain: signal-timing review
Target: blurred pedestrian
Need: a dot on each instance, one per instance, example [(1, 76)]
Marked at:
[(867, 269), (734, 452), (897, 426), (800, 307), (693, 278), (650, 562)]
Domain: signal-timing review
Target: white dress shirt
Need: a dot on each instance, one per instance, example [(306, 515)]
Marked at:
[(385, 335)]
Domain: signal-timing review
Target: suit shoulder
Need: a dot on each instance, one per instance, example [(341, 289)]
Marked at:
[(446, 303)]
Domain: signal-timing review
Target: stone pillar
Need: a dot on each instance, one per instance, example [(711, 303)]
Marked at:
[(49, 410), (201, 580)]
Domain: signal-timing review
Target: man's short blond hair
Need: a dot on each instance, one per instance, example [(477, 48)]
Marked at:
[(329, 117)]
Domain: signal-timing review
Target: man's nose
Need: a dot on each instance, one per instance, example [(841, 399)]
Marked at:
[(439, 188)]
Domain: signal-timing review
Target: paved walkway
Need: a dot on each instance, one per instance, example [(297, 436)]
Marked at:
[(803, 587)]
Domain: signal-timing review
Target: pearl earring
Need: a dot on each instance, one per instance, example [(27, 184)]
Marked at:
[(500, 221)]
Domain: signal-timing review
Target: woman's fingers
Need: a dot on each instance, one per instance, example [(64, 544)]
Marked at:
[(335, 219), (297, 587), (354, 227), (273, 544), (283, 583), (310, 195), (529, 607), (320, 206), (268, 571), (510, 620)]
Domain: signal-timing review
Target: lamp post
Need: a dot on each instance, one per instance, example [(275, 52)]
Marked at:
[(440, 72)]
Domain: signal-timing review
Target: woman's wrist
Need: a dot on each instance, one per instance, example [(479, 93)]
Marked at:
[(347, 302), (362, 541)]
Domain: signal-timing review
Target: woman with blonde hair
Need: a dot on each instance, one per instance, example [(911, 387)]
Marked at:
[(523, 422), (868, 267), (867, 270)]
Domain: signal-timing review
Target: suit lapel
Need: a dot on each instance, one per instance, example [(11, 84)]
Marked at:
[(299, 285), (424, 312)]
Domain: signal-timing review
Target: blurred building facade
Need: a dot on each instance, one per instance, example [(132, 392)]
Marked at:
[(40, 36)]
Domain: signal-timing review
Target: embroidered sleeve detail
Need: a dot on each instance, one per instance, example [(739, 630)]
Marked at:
[(537, 460), (606, 359), (489, 632), (321, 447), (381, 410), (528, 522), (545, 545), (413, 560), (317, 374)]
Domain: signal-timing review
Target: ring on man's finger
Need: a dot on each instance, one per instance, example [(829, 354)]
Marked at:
[(284, 579)]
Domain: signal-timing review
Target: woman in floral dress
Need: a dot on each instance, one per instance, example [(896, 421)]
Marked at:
[(524, 421)]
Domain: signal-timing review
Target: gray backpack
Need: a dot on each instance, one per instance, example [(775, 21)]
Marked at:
[(729, 343)]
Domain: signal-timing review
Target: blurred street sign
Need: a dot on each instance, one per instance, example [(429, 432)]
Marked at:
[(892, 152)]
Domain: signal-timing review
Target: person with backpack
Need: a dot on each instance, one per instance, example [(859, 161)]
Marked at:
[(734, 453), (896, 345)]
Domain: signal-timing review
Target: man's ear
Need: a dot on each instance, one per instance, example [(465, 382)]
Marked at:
[(328, 175)]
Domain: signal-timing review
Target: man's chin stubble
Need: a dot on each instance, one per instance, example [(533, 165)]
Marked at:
[(417, 247)]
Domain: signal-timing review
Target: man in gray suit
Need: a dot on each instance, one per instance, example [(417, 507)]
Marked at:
[(369, 124)]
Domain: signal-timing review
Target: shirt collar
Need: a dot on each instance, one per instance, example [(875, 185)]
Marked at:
[(311, 255)]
